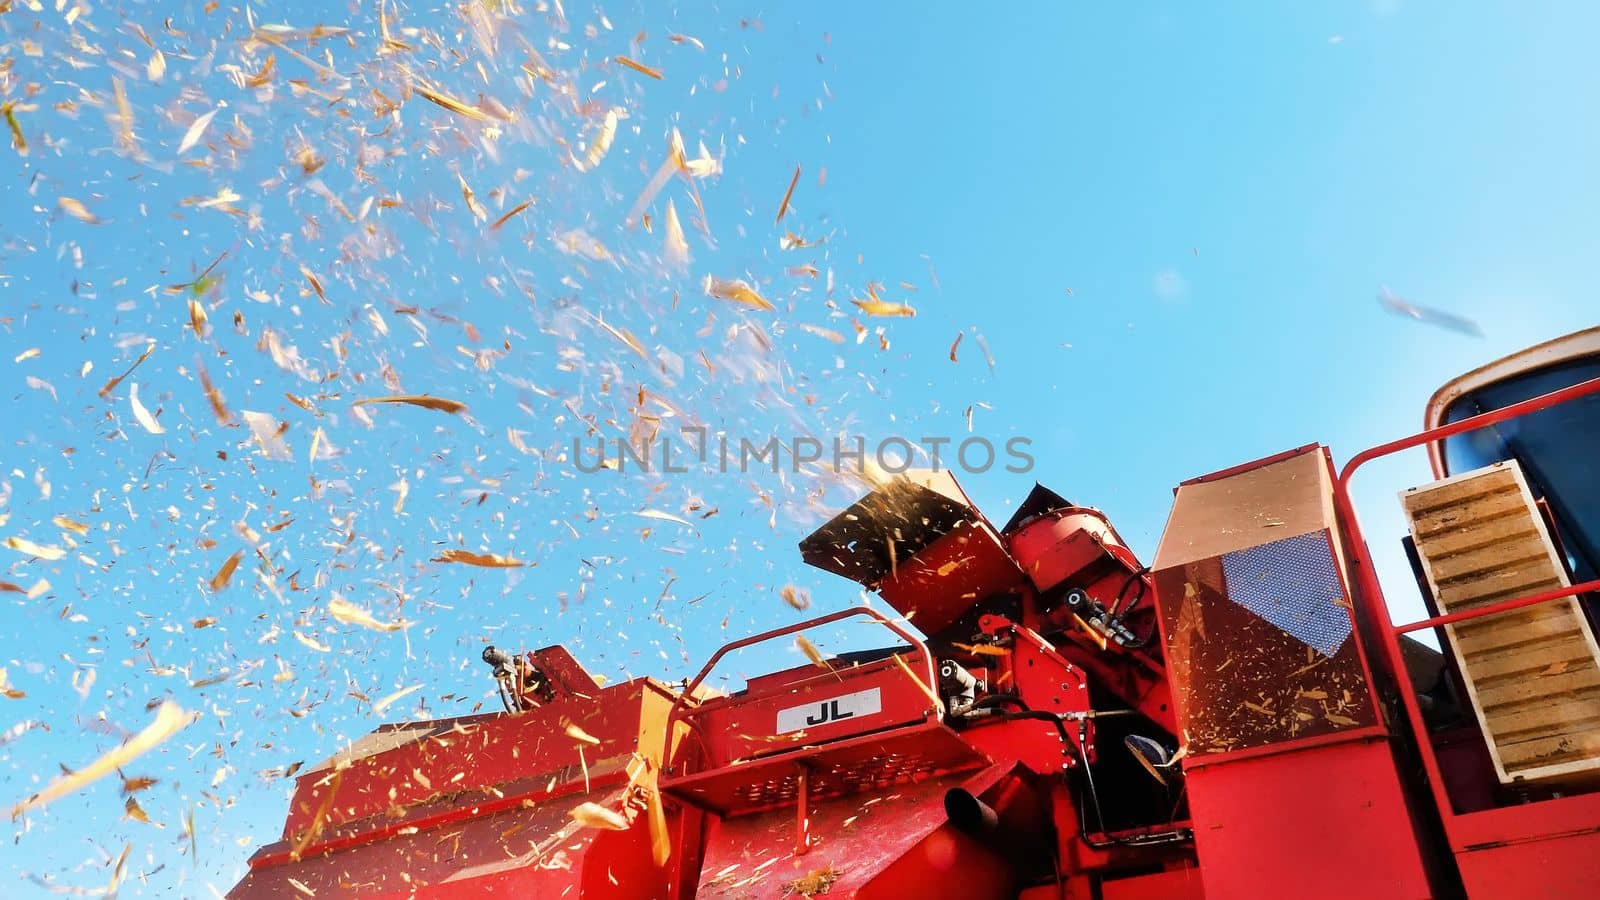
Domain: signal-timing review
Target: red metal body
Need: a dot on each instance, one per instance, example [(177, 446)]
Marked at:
[(494, 789), (1011, 742)]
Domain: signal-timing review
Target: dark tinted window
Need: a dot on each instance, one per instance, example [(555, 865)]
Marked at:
[(1558, 448)]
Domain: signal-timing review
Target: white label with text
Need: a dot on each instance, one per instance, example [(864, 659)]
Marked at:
[(829, 711)]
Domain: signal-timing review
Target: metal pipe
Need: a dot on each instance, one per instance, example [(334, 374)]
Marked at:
[(969, 814)]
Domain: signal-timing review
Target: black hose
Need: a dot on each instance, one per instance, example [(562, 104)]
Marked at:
[(1116, 603), (1117, 613), (1042, 716), (995, 700)]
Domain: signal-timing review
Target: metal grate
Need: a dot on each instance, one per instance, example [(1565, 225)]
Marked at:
[(832, 781), (1294, 584)]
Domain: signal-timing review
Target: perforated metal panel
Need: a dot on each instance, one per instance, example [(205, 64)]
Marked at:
[(1294, 584), (831, 781)]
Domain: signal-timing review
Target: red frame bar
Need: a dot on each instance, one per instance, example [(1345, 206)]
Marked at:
[(1481, 420), (1367, 577), (1247, 466), (1503, 606), (679, 704), (802, 819)]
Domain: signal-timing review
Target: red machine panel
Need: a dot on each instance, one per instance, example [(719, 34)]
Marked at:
[(949, 577), (1291, 776), (1074, 543), (887, 843), (475, 805), (1258, 627), (1318, 822), (816, 706), (1564, 866)]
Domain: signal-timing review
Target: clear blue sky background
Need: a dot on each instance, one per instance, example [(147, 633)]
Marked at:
[(1168, 225)]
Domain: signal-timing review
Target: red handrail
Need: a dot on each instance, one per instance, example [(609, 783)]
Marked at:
[(679, 706), (1481, 420), (1503, 606), (1366, 573)]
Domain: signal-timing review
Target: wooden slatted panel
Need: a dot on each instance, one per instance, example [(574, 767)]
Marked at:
[(1533, 674)]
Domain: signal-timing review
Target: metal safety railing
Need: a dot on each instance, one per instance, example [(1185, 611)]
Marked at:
[(681, 706), (1372, 598)]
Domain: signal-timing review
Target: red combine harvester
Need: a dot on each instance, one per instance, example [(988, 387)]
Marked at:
[(1238, 719)]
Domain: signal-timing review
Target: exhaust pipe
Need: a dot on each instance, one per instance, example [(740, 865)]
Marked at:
[(969, 814)]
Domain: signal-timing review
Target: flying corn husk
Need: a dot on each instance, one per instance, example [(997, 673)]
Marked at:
[(798, 598), (581, 736), (125, 136), (811, 651), (318, 818), (170, 719), (663, 516), (623, 335), (268, 432), (77, 210), (140, 413), (450, 103), (593, 815), (111, 385), (600, 144), (510, 214), (486, 560), (18, 142), (677, 247), (783, 208), (132, 810), (926, 690), (196, 131), (872, 306), (737, 291), (438, 404), (29, 548), (197, 317), (639, 67), (982, 649), (827, 334), (225, 574), (6, 690), (473, 206), (315, 282), (348, 613), (386, 702)]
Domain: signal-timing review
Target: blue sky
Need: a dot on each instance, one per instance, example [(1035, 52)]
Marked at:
[(1168, 226)]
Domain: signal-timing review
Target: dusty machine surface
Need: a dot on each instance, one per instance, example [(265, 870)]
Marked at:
[(1049, 717)]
